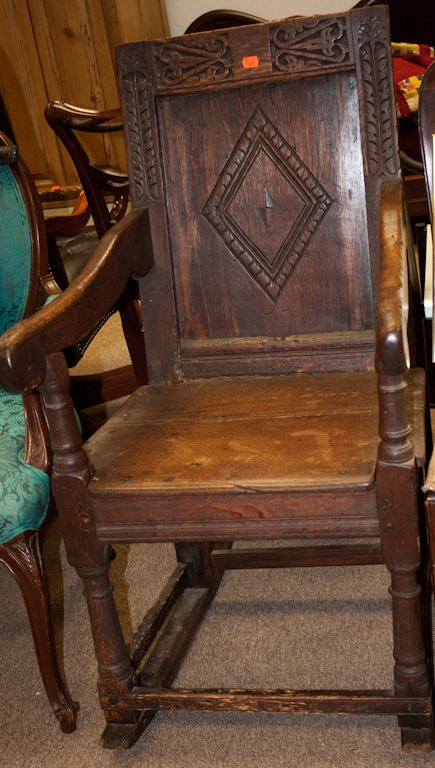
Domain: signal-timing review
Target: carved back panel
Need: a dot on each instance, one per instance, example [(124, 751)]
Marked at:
[(259, 151)]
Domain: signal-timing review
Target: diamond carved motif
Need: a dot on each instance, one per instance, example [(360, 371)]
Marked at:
[(266, 205)]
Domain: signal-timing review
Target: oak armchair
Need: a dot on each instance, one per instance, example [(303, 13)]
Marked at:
[(267, 227)]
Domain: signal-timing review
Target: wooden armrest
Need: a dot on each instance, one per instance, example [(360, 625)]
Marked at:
[(390, 345), (109, 179), (124, 251), (90, 120)]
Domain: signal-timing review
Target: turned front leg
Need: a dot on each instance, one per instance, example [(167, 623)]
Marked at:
[(70, 479), (396, 478), (116, 674)]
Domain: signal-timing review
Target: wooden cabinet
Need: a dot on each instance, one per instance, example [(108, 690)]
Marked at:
[(64, 49)]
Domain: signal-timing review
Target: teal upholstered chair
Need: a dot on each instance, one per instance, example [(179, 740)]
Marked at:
[(26, 509)]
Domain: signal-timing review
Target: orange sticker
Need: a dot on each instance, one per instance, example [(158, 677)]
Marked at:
[(250, 61)]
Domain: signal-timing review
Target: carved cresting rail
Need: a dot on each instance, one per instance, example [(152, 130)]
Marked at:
[(292, 47)]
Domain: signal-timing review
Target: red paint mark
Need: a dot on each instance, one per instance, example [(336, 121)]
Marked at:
[(56, 187), (250, 61)]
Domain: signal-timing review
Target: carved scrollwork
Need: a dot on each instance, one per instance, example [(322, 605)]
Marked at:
[(379, 111), (140, 137), (268, 261), (305, 44), (180, 63)]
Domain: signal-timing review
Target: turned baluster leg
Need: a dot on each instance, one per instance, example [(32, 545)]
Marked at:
[(71, 474), (400, 540), (116, 674)]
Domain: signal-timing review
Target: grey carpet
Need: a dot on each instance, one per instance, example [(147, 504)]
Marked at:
[(282, 628)]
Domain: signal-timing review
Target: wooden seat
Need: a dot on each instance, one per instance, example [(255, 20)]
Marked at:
[(267, 240), (285, 434)]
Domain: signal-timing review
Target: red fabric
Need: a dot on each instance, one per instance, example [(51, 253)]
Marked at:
[(407, 66)]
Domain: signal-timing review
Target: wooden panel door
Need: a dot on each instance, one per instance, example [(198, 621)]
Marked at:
[(64, 50)]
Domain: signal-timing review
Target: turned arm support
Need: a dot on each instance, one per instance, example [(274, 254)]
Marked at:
[(124, 251), (390, 342), (395, 446)]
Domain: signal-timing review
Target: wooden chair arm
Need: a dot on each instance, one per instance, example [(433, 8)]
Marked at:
[(390, 344), (109, 179), (58, 112), (124, 251)]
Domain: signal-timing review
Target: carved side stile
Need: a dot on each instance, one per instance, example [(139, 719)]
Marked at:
[(378, 99), (141, 150)]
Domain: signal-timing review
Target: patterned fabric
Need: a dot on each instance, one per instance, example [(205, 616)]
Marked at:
[(409, 64), (406, 49), (409, 87), (24, 490), (15, 253)]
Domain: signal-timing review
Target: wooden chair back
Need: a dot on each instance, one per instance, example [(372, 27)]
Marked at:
[(221, 19), (66, 120), (279, 171)]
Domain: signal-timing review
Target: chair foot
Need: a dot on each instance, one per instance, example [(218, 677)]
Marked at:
[(418, 741), (125, 735), (67, 716), (22, 556)]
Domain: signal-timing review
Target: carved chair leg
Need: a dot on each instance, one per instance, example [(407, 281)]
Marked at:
[(22, 557)]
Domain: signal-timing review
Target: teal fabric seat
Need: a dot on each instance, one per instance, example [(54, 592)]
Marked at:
[(26, 508), (24, 490)]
